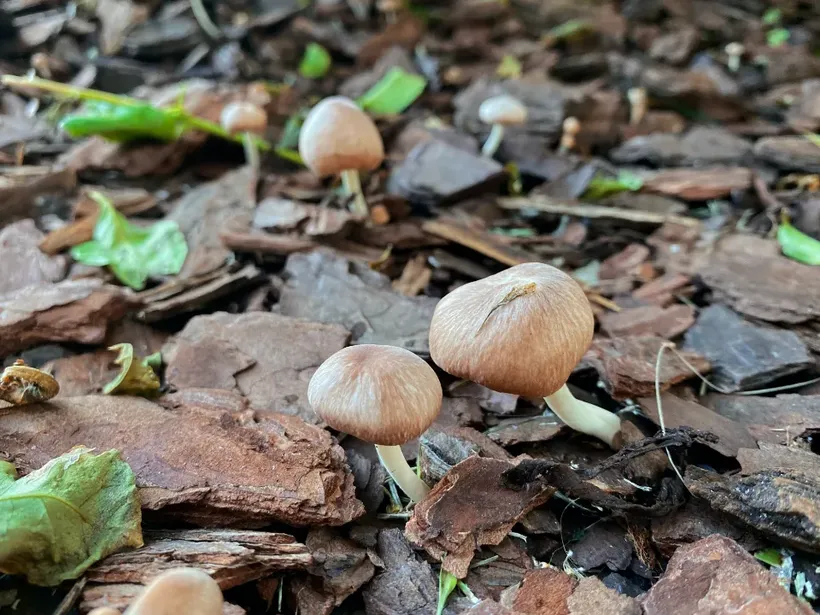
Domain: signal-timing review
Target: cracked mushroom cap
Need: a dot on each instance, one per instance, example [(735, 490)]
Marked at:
[(338, 136), (241, 116), (181, 590), (380, 394), (504, 110), (521, 331)]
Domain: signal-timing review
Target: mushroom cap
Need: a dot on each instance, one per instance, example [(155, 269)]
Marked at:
[(104, 610), (243, 116), (504, 110), (734, 48), (571, 125), (520, 331), (338, 136), (181, 590), (380, 394)]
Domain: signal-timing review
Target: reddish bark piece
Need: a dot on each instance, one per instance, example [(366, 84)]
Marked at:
[(69, 311), (699, 184), (678, 412), (626, 365), (341, 564), (468, 508), (20, 186), (660, 290), (544, 592), (689, 524), (591, 597), (715, 575), (83, 374), (205, 468), (648, 320), (23, 263), (624, 262), (245, 353)]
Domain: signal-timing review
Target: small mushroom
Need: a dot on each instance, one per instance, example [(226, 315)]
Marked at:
[(522, 331), (104, 610), (247, 119), (380, 394), (21, 384), (337, 137), (637, 105), (734, 52), (180, 590), (500, 111), (571, 127)]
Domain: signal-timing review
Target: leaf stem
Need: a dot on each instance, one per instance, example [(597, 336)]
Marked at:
[(45, 496)]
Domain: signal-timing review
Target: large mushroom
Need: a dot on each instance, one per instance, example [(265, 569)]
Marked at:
[(337, 137), (180, 590), (380, 394), (522, 331)]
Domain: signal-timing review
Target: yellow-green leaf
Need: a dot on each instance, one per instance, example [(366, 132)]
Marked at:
[(315, 63), (393, 93), (59, 520), (509, 68), (797, 245), (136, 377), (446, 584)]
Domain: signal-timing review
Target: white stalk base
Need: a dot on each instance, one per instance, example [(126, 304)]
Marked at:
[(584, 417), (353, 186), (493, 141), (396, 465)]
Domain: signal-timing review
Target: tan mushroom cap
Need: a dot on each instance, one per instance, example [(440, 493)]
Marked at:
[(241, 116), (104, 610), (520, 331), (504, 110), (380, 394), (338, 136), (181, 590)]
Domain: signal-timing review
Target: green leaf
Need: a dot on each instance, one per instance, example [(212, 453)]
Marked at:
[(132, 253), (315, 63), (394, 92), (772, 17), (135, 377), (602, 186), (123, 123), (777, 37), (797, 245), (446, 584), (813, 137), (574, 29), (772, 557), (66, 516), (290, 133), (509, 68)]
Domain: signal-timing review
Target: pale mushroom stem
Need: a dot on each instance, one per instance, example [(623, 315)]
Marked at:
[(251, 151), (584, 417), (493, 141), (396, 465), (353, 186)]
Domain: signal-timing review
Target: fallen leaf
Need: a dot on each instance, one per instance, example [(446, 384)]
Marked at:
[(136, 377), (315, 62), (797, 245), (396, 91), (62, 518)]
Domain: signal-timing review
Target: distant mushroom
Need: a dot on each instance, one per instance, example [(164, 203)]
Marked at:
[(104, 610), (180, 590), (380, 394), (637, 105), (247, 119), (522, 331), (571, 127), (337, 137), (500, 111), (734, 52)]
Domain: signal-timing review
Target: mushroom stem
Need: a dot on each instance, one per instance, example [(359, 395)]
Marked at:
[(493, 141), (584, 417), (396, 465), (353, 186), (251, 151)]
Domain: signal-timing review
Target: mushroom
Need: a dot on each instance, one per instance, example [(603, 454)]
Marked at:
[(247, 119), (522, 331), (104, 610), (500, 111), (380, 394), (571, 127), (637, 105), (735, 52), (337, 137), (180, 590)]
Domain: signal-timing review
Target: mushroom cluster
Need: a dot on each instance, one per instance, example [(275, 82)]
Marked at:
[(522, 331), (383, 395)]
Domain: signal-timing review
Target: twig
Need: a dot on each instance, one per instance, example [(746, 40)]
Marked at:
[(204, 20), (71, 597)]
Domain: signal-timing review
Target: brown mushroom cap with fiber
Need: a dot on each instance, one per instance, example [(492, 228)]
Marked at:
[(180, 590), (520, 331), (505, 110), (338, 136), (240, 116), (380, 394)]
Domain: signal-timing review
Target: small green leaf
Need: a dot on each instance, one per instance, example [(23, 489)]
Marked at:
[(602, 186), (772, 557), (797, 245), (772, 17), (124, 123), (509, 68), (569, 30), (777, 37), (394, 92), (813, 137), (290, 133), (135, 377), (446, 584), (315, 63), (59, 520), (132, 253)]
